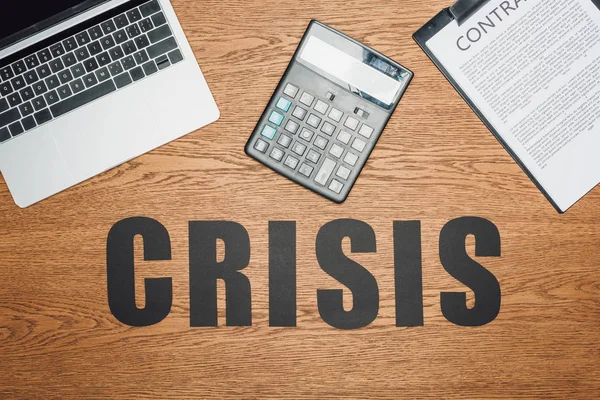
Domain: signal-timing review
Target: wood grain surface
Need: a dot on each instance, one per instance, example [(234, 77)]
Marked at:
[(435, 162)]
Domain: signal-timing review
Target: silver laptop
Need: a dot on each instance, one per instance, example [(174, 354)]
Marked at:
[(87, 85)]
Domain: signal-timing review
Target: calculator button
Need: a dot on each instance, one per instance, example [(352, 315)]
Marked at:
[(313, 121), (307, 99), (361, 113), (284, 104), (276, 118), (359, 144), (344, 137), (291, 90), (366, 131), (291, 162), (336, 186), (284, 140), (325, 171), (299, 113), (336, 151), (299, 148), (351, 123), (351, 159), (321, 142), (321, 107), (306, 135), (330, 96), (269, 132), (306, 170), (336, 114), (343, 172), (276, 154), (292, 127), (328, 128), (261, 145), (313, 156)]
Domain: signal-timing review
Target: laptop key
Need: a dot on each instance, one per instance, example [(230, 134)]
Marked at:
[(142, 41), (150, 8), (6, 73), (90, 80), (133, 31), (16, 129), (78, 70), (107, 42), (137, 73), (5, 88), (159, 34), (162, 47), (19, 67), (9, 117), (175, 56), (159, 19), (128, 62), (26, 109), (134, 15), (77, 86), (69, 44), (40, 87), (103, 59), (64, 91), (57, 50), (150, 67), (83, 98), (82, 38), (39, 103), (43, 116), (129, 47), (94, 48), (69, 59), (3, 105), (26, 94), (115, 68), (162, 62), (32, 61), (4, 134), (141, 57), (51, 97), (52, 82), (116, 53), (108, 27), (28, 123), (43, 71), (145, 25), (44, 55), (95, 32), (56, 65), (102, 74), (121, 21), (122, 80), (120, 36), (82, 53), (91, 65), (18, 83), (31, 77), (14, 99)]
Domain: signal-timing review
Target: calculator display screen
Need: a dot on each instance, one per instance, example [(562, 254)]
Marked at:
[(355, 68)]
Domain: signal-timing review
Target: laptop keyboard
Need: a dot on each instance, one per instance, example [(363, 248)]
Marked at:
[(117, 51)]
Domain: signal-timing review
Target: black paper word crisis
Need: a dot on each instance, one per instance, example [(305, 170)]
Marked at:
[(205, 269)]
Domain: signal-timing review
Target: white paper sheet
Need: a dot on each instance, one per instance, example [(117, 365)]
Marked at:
[(533, 69)]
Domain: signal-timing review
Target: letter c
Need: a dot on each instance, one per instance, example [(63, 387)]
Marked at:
[(462, 48)]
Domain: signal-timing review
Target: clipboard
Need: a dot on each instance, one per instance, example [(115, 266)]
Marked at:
[(460, 12)]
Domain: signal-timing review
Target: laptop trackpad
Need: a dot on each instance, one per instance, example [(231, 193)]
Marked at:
[(108, 133)]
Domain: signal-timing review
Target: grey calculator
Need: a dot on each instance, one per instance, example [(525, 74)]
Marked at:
[(328, 112)]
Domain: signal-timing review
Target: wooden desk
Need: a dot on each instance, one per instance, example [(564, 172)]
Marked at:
[(435, 162)]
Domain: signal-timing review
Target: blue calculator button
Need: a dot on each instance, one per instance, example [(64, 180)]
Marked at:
[(276, 118), (269, 132), (284, 104)]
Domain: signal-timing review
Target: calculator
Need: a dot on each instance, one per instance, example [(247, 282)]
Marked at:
[(328, 112)]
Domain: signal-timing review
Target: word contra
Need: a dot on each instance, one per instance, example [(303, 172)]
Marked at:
[(205, 270)]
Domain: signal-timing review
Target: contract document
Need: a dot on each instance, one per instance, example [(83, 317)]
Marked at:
[(531, 70)]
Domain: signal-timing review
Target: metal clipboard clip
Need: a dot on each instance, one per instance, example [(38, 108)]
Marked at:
[(463, 9)]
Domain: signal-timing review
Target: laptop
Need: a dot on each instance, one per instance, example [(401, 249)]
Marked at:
[(88, 85)]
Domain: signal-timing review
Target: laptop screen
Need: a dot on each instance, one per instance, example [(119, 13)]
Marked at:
[(24, 18)]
